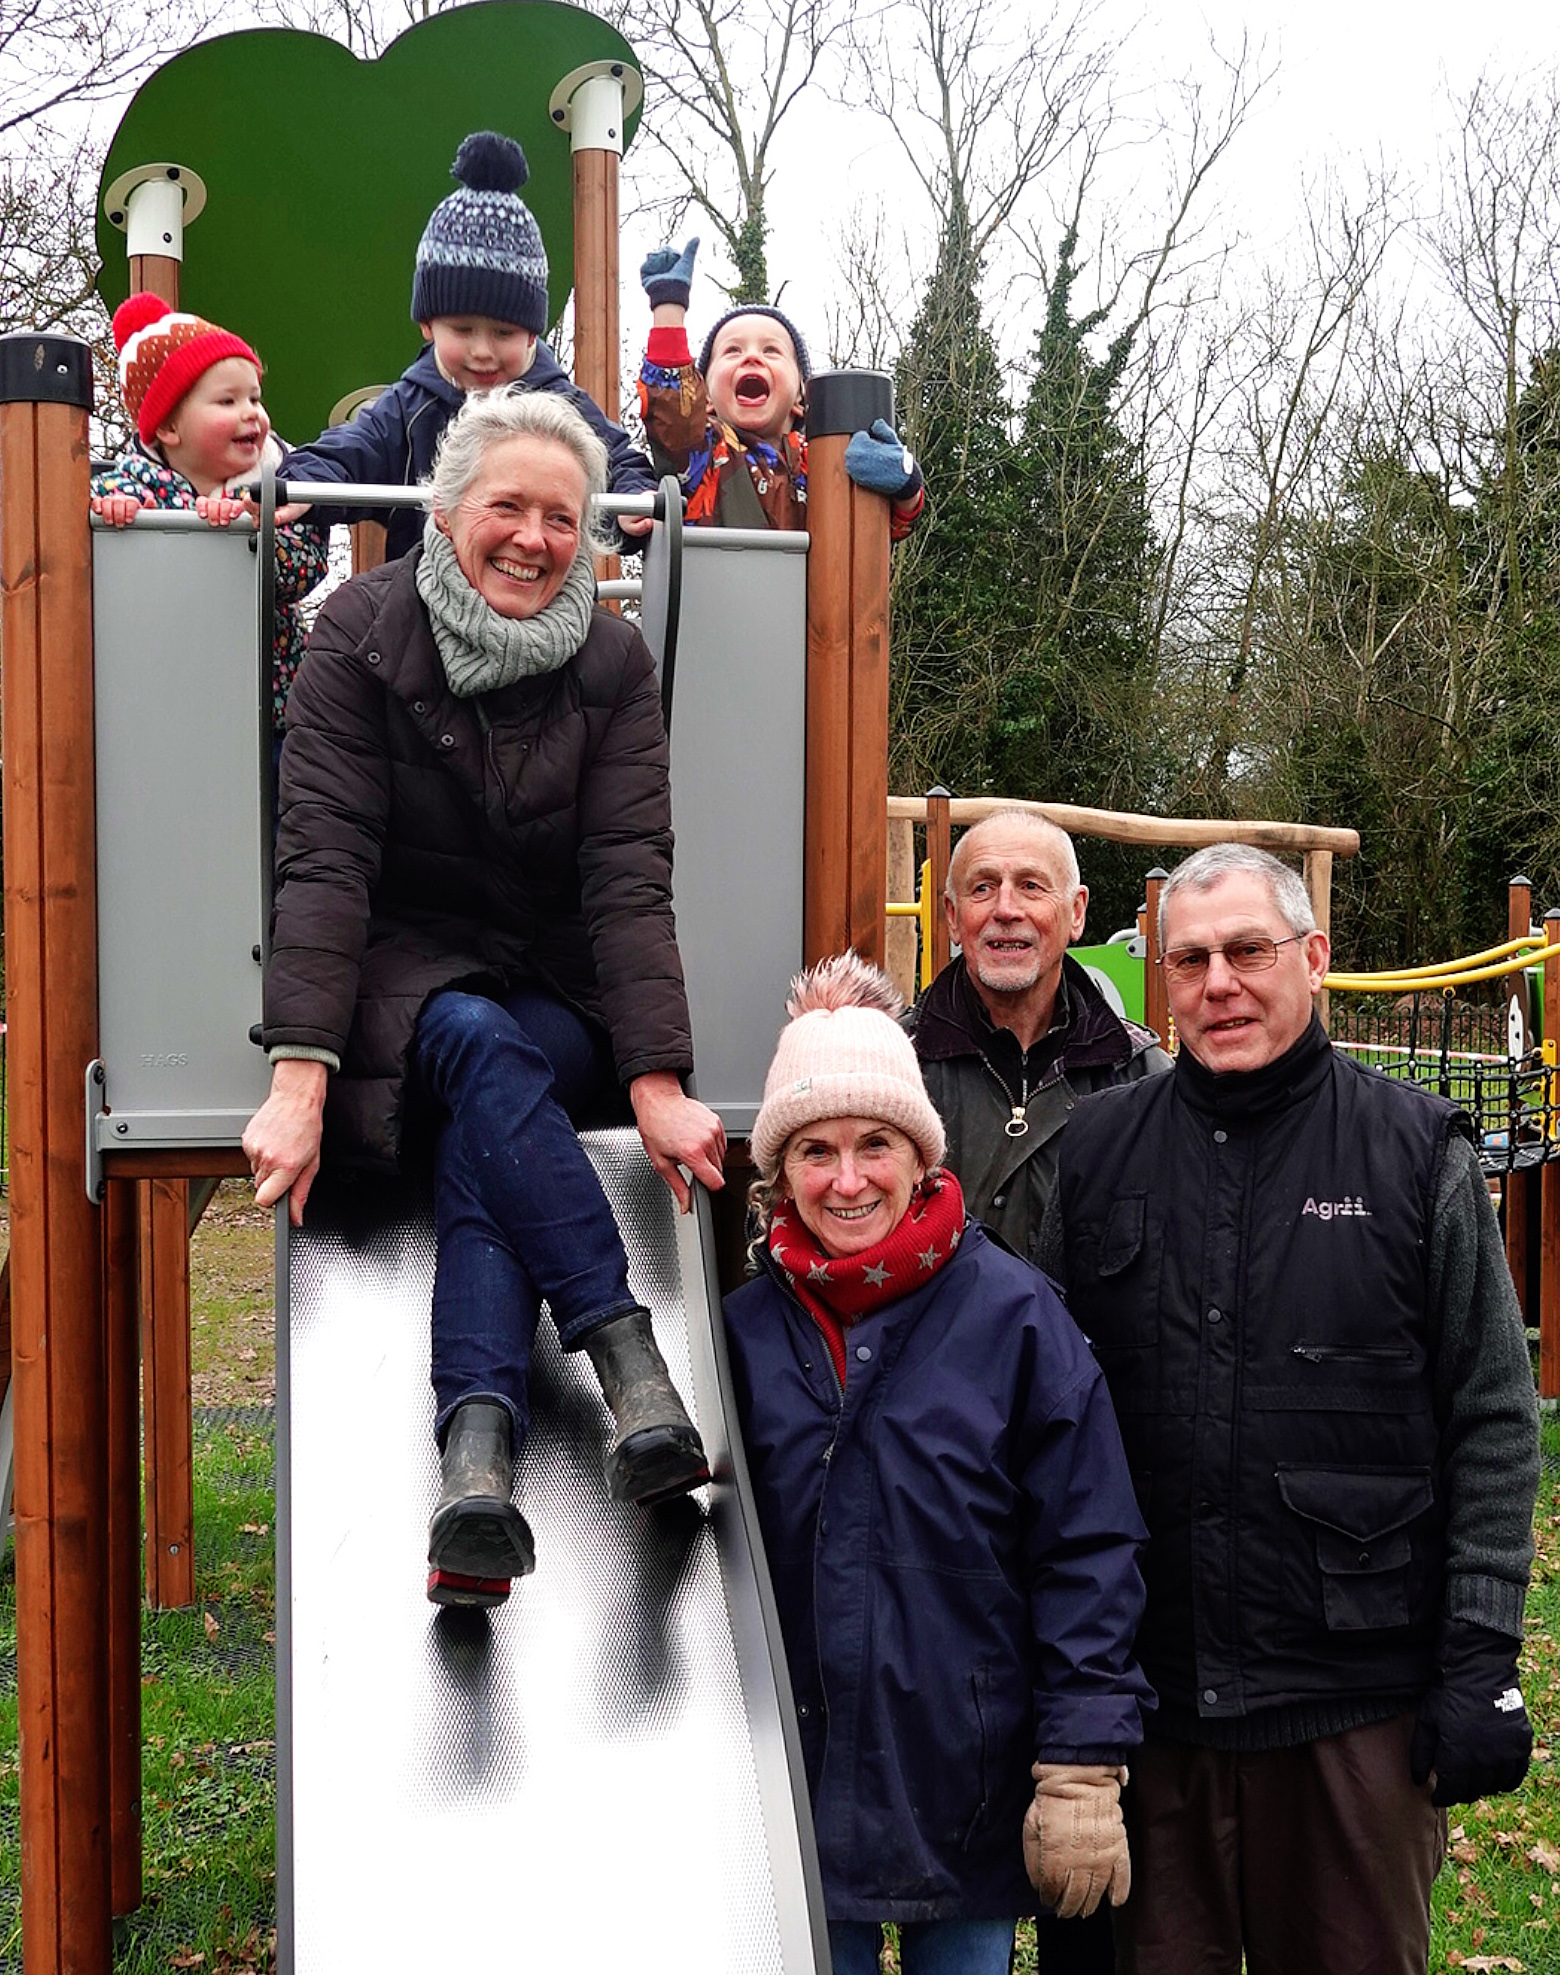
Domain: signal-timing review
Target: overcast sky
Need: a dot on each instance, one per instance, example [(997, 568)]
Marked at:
[(1357, 80)]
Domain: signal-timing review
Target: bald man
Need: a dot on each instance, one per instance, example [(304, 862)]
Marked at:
[(1012, 1032)]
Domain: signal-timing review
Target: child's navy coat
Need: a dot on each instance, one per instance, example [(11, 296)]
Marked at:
[(953, 1542), (392, 441)]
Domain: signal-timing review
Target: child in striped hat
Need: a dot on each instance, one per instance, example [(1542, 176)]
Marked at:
[(192, 390), (479, 296)]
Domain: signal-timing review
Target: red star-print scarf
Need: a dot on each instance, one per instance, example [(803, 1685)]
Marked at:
[(837, 1289)]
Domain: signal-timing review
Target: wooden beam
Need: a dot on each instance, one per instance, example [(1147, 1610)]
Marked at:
[(899, 935), (218, 1162), (1122, 826), (597, 359), (939, 850), (1516, 1188), (123, 1360), (58, 1351), (1549, 1191), (1156, 1003), (1318, 882), (165, 1393), (845, 831), (157, 274)]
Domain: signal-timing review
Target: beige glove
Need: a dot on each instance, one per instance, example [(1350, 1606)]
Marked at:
[(1075, 1843)]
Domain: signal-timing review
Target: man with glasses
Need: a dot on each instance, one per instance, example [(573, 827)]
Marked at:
[(1293, 1279)]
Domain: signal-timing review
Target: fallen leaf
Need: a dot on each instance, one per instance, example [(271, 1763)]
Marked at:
[(1545, 1857), (1485, 1962)]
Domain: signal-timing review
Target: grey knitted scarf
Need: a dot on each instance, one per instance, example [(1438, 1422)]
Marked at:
[(482, 650)]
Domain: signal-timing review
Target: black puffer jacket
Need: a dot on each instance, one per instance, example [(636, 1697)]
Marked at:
[(428, 841)]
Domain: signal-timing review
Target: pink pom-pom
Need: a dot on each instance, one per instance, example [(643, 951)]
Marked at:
[(135, 314), (844, 980)]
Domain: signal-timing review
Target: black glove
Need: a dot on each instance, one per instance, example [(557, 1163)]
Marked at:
[(1473, 1731)]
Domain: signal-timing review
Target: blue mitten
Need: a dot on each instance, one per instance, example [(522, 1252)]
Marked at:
[(879, 461), (666, 275)]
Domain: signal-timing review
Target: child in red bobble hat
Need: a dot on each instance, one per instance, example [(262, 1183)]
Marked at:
[(193, 393)]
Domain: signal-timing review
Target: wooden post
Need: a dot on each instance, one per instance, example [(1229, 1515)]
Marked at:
[(939, 852), (899, 935), (1156, 1004), (591, 104), (1549, 1188), (1318, 882), (165, 1393), (368, 545), (844, 856), (596, 359), (1516, 1189), (122, 1348), (56, 1260)]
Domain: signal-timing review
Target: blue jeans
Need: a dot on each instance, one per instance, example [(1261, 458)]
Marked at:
[(518, 1211), (926, 1947)]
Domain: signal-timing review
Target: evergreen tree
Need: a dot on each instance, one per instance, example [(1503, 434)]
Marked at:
[(952, 579)]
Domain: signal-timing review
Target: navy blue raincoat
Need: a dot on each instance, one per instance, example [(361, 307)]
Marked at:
[(954, 1547)]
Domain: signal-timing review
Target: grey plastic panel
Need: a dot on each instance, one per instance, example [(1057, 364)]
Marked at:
[(739, 749), (179, 775), (600, 1771)]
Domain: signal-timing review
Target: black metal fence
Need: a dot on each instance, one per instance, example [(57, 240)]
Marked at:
[(1461, 1050)]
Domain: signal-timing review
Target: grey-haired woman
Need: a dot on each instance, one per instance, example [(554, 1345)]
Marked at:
[(474, 929)]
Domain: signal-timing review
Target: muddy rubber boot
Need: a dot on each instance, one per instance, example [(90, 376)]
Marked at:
[(657, 1452), (478, 1540)]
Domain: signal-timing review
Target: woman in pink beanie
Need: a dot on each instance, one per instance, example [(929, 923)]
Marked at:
[(946, 1512)]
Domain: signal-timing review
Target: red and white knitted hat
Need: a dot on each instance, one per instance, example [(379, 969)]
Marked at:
[(163, 354), (843, 1055)]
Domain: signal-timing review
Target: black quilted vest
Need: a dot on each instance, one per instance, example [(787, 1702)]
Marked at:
[(1248, 1255)]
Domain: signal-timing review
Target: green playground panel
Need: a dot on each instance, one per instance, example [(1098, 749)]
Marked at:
[(1122, 969), (321, 171)]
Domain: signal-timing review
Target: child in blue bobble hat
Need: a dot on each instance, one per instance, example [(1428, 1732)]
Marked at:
[(479, 296), (731, 426)]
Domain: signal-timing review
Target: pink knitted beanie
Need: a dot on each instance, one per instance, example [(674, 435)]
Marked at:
[(843, 1055)]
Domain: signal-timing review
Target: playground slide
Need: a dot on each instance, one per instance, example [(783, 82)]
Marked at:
[(604, 1770)]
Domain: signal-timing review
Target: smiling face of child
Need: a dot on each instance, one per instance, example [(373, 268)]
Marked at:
[(754, 380), (478, 352), (217, 429)]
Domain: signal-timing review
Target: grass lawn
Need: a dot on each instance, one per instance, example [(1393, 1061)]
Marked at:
[(207, 1695)]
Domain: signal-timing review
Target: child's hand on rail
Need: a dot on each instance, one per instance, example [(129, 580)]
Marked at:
[(118, 510), (636, 524), (293, 511), (221, 510)]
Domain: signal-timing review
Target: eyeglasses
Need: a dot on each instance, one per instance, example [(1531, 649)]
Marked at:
[(1253, 954)]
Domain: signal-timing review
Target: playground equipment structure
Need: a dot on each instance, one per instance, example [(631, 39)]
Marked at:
[(128, 1070), (112, 950)]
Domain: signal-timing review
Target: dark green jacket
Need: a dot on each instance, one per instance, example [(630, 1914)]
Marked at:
[(1008, 1179)]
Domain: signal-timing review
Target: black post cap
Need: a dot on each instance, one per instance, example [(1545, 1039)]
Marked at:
[(37, 368), (847, 401)]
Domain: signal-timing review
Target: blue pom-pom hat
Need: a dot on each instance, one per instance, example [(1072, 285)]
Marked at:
[(481, 252)]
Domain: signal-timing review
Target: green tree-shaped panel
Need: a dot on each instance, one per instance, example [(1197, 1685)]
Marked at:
[(321, 171)]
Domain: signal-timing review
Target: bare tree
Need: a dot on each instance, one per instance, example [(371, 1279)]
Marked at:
[(720, 78)]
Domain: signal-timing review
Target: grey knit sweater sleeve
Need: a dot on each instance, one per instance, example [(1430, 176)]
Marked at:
[(1485, 1403)]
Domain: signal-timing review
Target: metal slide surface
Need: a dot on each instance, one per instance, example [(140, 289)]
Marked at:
[(599, 1774)]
